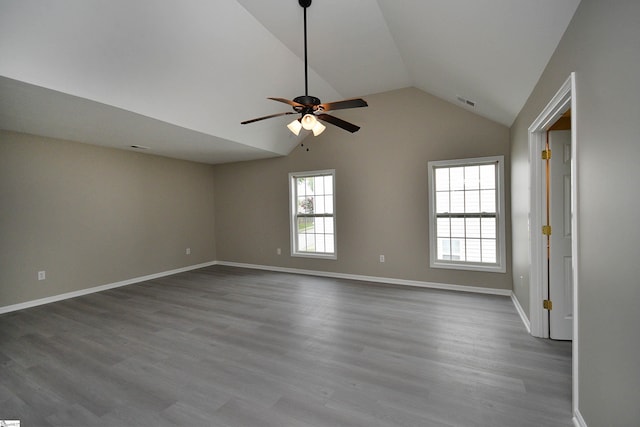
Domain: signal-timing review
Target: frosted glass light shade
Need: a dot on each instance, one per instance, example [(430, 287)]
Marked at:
[(318, 128), (309, 121), (295, 127)]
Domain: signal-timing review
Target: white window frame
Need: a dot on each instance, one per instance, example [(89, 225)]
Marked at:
[(293, 215), (501, 265)]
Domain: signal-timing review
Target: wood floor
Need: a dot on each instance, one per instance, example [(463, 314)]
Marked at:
[(233, 347)]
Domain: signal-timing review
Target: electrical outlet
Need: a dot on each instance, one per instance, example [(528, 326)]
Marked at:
[(42, 275), (381, 258), (187, 251), (279, 251)]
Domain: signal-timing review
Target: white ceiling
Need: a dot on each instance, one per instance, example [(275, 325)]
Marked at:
[(180, 76)]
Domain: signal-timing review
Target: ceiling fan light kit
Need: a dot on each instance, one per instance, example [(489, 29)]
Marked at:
[(318, 128), (310, 108), (295, 127), (309, 121)]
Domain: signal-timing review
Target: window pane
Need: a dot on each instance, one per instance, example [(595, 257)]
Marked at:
[(319, 184), (443, 227), (489, 250), (473, 250), (457, 227), (457, 202), (318, 225), (319, 207), (488, 176), (320, 246), (472, 201), (301, 186), (328, 184), (328, 204), (311, 243), (442, 202), (444, 249), (302, 242), (457, 250), (488, 201), (471, 177), (302, 225), (488, 228), (329, 243), (442, 179), (328, 225), (305, 205), (456, 178), (473, 227)]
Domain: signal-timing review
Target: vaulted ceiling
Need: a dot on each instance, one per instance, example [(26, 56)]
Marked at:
[(180, 76)]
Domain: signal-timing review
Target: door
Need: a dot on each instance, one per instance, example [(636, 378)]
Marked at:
[(560, 262)]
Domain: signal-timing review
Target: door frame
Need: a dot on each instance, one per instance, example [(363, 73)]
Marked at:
[(564, 99)]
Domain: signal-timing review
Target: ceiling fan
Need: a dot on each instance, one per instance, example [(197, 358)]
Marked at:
[(311, 109)]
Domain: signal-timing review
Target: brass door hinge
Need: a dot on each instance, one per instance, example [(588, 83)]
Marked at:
[(546, 154), (546, 230), (547, 304)]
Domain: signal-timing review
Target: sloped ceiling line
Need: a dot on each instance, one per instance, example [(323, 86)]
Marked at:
[(205, 66)]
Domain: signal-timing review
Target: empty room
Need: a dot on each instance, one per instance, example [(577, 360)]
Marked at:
[(319, 213)]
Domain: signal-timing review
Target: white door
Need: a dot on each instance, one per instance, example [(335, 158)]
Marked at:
[(560, 263)]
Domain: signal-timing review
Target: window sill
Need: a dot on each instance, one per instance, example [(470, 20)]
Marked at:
[(468, 267), (314, 255)]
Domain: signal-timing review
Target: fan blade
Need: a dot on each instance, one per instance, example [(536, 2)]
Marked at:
[(267, 117), (341, 105), (286, 101), (339, 122)]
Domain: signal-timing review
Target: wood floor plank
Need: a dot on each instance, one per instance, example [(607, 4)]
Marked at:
[(225, 346)]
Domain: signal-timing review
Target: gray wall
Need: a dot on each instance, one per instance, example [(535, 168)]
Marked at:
[(91, 216), (602, 45), (381, 190)]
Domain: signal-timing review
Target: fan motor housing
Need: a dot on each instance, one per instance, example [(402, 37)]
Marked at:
[(307, 100), (304, 3)]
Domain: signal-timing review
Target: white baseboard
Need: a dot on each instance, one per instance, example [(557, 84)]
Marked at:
[(60, 297), (389, 280), (521, 312), (578, 421)]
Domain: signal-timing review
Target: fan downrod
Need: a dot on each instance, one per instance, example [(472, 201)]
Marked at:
[(306, 104)]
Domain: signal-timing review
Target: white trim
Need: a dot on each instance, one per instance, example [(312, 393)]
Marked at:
[(68, 295), (574, 246), (578, 421), (537, 291), (501, 265), (388, 280), (376, 279), (562, 100), (521, 312)]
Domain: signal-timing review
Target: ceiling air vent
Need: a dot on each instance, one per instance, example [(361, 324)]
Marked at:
[(466, 101)]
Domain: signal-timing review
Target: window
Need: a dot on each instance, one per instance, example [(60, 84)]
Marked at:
[(313, 219), (466, 219)]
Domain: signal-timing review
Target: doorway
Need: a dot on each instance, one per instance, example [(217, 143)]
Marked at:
[(563, 100)]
